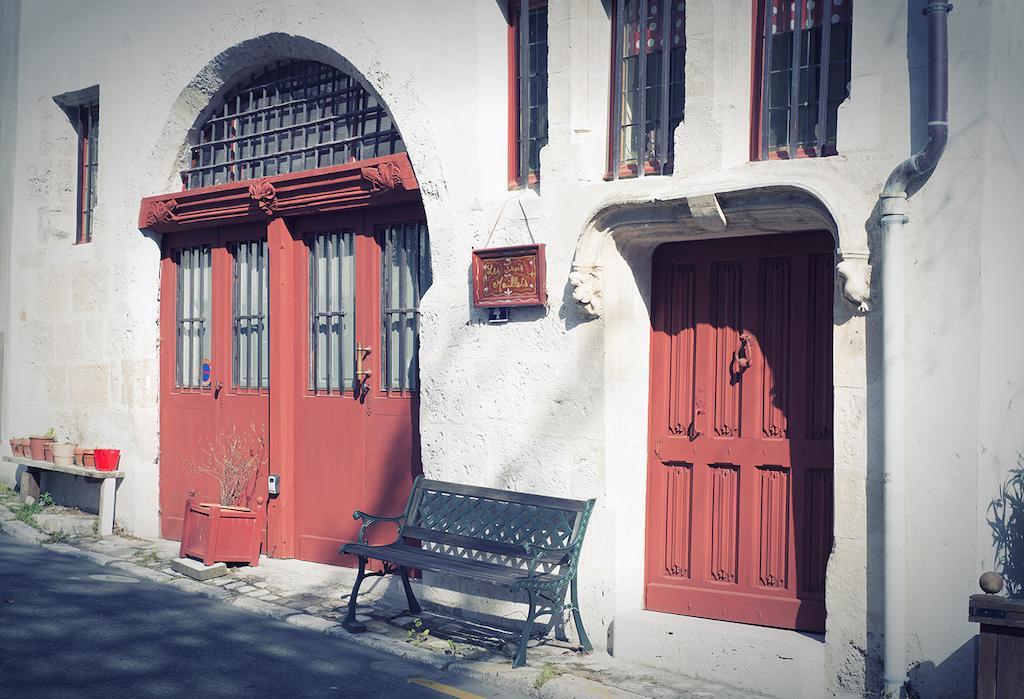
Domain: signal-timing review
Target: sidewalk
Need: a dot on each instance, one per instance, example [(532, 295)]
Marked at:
[(314, 596)]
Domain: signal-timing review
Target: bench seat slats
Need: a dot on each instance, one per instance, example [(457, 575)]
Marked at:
[(413, 557)]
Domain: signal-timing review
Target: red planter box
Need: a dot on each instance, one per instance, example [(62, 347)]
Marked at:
[(215, 534)]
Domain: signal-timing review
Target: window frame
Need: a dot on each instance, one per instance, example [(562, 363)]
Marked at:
[(760, 57), (519, 173), (87, 131), (616, 168)]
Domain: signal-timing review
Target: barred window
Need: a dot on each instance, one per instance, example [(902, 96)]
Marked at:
[(332, 311), (528, 56), (88, 164), (405, 276), (803, 76), (291, 116), (649, 46), (250, 306), (193, 336)]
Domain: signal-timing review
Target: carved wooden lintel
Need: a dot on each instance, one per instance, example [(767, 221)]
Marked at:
[(326, 190)]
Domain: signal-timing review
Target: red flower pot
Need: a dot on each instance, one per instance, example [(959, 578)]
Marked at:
[(218, 534), (38, 446), (107, 459)]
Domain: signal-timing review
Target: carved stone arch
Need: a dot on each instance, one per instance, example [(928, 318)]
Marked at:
[(201, 94), (725, 213)]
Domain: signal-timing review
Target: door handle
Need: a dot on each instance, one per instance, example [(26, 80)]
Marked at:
[(361, 352)]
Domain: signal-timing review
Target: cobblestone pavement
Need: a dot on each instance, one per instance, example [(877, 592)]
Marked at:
[(314, 596)]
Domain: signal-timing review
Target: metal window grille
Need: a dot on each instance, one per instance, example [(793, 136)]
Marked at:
[(250, 363), (806, 75), (405, 276), (292, 116), (532, 111), (88, 162), (648, 90), (193, 315), (332, 311)]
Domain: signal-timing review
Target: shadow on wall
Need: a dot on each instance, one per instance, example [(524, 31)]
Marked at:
[(1006, 519)]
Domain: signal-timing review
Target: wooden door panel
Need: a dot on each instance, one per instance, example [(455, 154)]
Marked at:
[(740, 473)]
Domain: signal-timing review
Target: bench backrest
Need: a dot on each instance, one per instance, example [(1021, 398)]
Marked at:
[(492, 526)]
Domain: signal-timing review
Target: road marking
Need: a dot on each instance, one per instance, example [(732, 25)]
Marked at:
[(444, 689)]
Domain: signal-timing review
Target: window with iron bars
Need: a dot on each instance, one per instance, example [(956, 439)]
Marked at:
[(801, 77), (528, 98), (88, 123), (250, 310), (291, 116), (648, 62), (405, 276), (193, 336), (332, 312)]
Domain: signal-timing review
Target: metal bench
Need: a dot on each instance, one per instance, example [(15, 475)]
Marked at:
[(521, 541), (108, 485)]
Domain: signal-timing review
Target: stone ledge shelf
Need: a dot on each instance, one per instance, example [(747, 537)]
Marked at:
[(108, 485)]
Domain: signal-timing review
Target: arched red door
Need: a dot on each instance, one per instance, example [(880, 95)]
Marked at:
[(739, 507)]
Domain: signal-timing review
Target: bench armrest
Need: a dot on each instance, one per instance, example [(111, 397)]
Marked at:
[(369, 520), (537, 551)]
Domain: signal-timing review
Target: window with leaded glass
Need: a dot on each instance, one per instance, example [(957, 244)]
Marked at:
[(528, 56), (289, 117), (803, 75), (649, 54), (193, 336), (331, 311), (405, 276), (250, 307)]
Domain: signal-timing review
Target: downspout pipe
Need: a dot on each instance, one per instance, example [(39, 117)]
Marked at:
[(895, 216)]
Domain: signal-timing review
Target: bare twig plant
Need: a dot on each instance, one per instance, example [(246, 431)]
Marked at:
[(233, 458)]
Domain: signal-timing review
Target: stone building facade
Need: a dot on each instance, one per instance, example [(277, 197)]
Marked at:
[(557, 400)]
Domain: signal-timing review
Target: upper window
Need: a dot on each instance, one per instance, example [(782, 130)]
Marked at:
[(648, 54), (802, 75), (528, 99), (292, 116), (88, 126)]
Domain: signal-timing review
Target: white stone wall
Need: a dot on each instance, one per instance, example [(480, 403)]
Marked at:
[(554, 401)]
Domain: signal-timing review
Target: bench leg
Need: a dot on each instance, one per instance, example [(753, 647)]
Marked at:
[(108, 488), (520, 659), (30, 485), (414, 606), (584, 640), (350, 623)]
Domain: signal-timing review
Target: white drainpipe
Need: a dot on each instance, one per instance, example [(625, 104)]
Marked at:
[(895, 215)]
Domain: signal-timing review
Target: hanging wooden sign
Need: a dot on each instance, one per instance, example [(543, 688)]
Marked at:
[(512, 276)]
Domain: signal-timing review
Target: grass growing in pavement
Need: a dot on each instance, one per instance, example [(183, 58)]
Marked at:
[(547, 673)]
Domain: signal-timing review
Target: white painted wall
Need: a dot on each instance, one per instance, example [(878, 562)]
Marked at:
[(554, 401)]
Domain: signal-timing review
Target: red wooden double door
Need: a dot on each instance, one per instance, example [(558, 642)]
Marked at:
[(304, 333), (739, 510)]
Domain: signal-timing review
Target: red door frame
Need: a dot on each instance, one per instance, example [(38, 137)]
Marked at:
[(268, 203), (739, 491)]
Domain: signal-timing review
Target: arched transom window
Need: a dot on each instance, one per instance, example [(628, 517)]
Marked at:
[(289, 117)]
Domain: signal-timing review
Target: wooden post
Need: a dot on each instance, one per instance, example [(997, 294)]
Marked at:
[(285, 323)]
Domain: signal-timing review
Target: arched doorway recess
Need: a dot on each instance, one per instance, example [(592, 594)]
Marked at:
[(292, 267)]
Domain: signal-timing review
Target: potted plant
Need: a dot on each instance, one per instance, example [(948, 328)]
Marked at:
[(40, 445), (26, 447), (79, 456), (231, 530), (15, 446), (63, 451)]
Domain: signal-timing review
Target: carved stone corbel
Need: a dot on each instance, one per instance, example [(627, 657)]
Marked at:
[(856, 279), (587, 288), (385, 177), (161, 211)]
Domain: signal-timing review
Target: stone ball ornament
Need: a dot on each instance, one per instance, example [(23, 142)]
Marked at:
[(991, 582)]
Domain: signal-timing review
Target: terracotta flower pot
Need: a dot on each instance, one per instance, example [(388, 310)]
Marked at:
[(63, 454), (39, 446), (107, 459), (15, 447), (25, 447), (88, 459), (79, 456)]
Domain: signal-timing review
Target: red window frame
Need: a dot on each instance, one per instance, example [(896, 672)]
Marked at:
[(87, 126), (516, 130), (826, 109)]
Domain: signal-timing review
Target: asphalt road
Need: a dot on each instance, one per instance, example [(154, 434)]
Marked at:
[(71, 627)]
